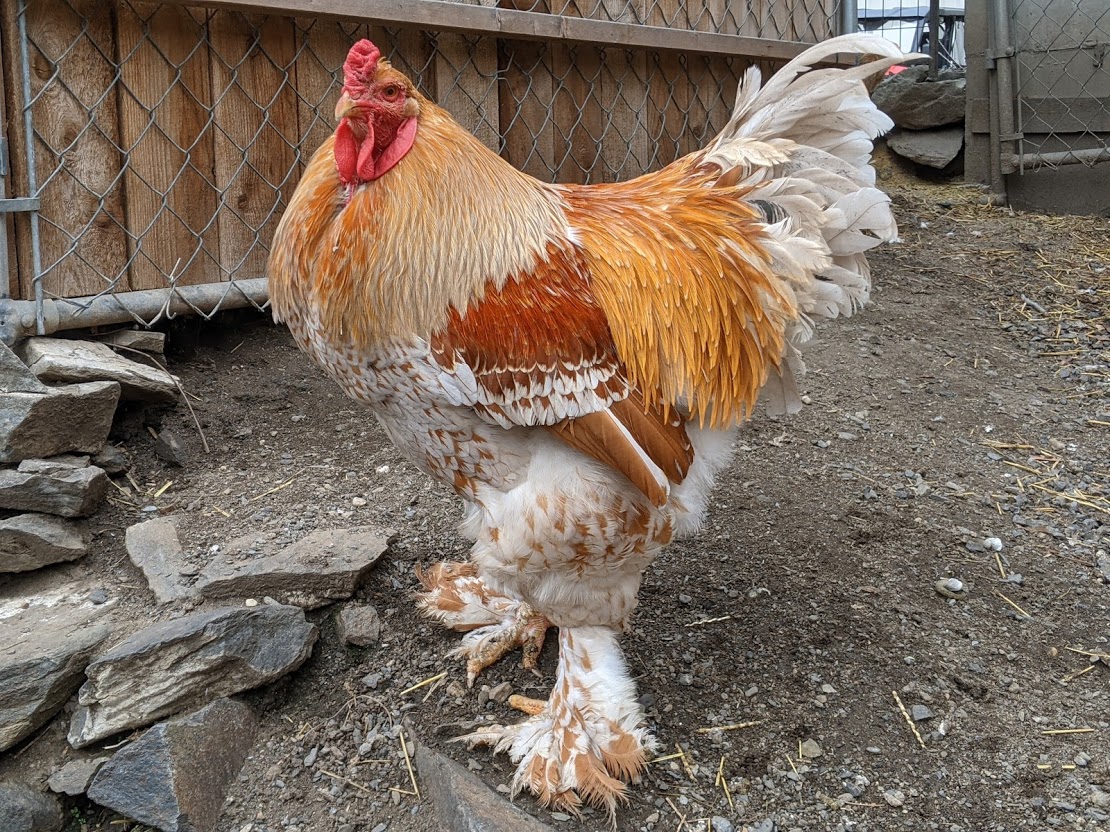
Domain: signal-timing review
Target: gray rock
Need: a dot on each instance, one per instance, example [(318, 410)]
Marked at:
[(136, 339), (720, 824), (176, 665), (916, 103), (810, 750), (175, 776), (170, 448), (74, 418), (895, 798), (463, 803), (15, 376), (22, 809), (56, 359), (54, 486), (921, 713), (113, 460), (322, 567), (359, 625), (153, 546), (933, 148), (31, 541), (39, 670), (75, 776)]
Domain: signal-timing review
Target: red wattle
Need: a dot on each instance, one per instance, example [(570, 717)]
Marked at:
[(367, 164), (345, 151), (401, 144)]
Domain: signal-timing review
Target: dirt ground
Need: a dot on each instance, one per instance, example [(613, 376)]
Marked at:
[(964, 409)]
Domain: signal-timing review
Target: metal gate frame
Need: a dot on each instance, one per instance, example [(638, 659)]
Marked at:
[(1008, 151)]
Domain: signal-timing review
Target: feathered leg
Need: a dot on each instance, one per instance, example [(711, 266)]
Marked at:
[(589, 738), (494, 624)]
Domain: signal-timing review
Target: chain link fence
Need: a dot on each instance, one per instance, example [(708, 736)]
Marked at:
[(1061, 80), (156, 144)]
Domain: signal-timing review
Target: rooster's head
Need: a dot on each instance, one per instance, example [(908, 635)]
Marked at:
[(377, 115)]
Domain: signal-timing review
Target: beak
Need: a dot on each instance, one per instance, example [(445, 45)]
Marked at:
[(344, 107)]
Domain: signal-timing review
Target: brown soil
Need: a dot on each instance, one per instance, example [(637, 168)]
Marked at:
[(944, 414)]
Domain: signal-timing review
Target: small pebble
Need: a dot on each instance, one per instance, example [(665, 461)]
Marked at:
[(251, 602), (501, 692), (994, 544), (921, 712), (810, 749), (720, 824), (894, 797), (358, 502), (951, 588), (310, 757)]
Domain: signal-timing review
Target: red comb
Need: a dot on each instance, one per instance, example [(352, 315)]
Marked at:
[(361, 63)]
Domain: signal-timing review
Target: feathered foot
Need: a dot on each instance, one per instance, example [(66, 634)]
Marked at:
[(589, 737), (495, 624)]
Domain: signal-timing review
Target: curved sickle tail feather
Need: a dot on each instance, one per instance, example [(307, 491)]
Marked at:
[(802, 144)]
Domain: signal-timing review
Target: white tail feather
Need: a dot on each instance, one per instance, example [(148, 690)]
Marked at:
[(802, 144)]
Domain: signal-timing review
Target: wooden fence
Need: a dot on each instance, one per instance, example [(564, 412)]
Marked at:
[(162, 140)]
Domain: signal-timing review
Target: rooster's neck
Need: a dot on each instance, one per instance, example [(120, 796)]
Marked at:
[(393, 257)]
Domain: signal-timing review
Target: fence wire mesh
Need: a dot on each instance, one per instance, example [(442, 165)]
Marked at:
[(1062, 80), (164, 141)]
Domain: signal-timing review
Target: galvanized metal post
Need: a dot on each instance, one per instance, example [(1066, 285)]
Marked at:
[(1000, 53), (934, 37), (32, 175), (847, 17)]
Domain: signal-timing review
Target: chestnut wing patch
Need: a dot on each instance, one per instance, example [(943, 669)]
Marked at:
[(536, 351)]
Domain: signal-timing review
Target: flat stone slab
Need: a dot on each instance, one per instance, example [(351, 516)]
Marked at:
[(463, 803), (62, 360), (153, 546), (32, 541), (66, 486), (15, 376), (43, 654), (22, 809), (75, 776), (137, 339), (934, 148), (75, 418), (175, 776), (322, 567), (917, 103), (181, 664)]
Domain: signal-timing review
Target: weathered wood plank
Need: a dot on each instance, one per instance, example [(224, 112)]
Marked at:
[(164, 116), (256, 121), (441, 16), (526, 111), (77, 163), (321, 47), (466, 81)]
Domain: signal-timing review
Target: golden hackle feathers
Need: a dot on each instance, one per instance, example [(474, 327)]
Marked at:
[(392, 259)]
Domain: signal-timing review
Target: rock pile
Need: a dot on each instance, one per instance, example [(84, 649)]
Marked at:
[(929, 114), (227, 623), (57, 402)]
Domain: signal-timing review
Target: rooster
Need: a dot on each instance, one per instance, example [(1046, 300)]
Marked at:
[(573, 360)]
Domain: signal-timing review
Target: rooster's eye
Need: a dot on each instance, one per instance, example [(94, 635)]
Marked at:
[(391, 92)]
